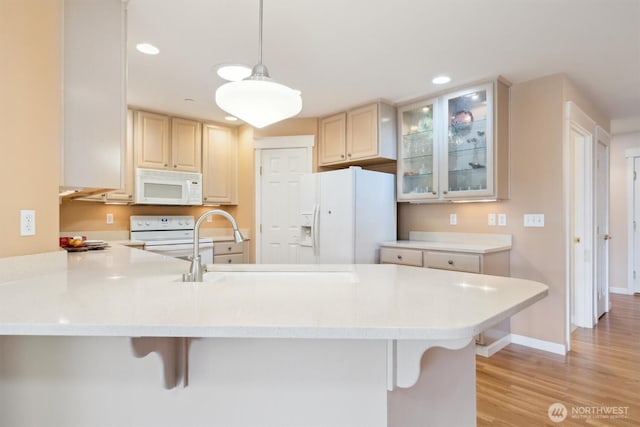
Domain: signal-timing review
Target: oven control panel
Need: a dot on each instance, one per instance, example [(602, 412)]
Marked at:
[(161, 222)]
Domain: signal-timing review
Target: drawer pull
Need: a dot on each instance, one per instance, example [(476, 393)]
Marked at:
[(229, 248), (450, 262), (399, 256), (229, 261)]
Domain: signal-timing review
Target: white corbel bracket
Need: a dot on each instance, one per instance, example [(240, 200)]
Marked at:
[(174, 353), (404, 356)]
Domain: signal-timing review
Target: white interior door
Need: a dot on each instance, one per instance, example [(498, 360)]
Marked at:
[(601, 297), (582, 227), (279, 203)]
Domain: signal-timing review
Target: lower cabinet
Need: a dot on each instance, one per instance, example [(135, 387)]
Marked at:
[(495, 263), (230, 252)]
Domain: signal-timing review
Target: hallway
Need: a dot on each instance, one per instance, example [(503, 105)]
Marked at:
[(601, 374)]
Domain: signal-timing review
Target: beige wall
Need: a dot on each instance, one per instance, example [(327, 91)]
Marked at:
[(30, 112), (618, 220), (536, 187)]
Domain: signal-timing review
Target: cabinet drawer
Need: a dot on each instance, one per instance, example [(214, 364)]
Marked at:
[(229, 259), (228, 248), (401, 256), (452, 261)]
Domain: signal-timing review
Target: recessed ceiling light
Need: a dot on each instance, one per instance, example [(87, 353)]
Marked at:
[(440, 80), (234, 73), (231, 119), (147, 48)]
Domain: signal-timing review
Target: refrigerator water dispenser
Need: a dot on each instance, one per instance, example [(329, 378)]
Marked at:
[(306, 229)]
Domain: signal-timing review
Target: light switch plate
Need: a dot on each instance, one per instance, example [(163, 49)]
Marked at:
[(453, 219), (491, 219), (109, 218), (534, 220), (502, 220)]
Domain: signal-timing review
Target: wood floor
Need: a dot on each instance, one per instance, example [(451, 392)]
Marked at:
[(517, 385)]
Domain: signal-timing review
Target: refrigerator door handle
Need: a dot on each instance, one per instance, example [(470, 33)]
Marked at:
[(315, 232)]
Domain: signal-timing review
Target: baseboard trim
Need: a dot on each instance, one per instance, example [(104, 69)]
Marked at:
[(549, 346), (494, 347), (621, 291)]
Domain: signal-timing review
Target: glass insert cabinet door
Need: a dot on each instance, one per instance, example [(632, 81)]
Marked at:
[(418, 165), (469, 142)]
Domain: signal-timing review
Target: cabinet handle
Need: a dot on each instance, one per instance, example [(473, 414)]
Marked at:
[(175, 166), (399, 256), (229, 248), (445, 192), (342, 156), (450, 262), (229, 261), (349, 155), (165, 165), (434, 193)]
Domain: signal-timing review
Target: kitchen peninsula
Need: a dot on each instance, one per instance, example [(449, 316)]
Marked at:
[(368, 345)]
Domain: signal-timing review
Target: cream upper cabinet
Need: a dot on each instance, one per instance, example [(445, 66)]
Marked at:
[(186, 145), (163, 142), (151, 140), (362, 135), (94, 106), (455, 146), (333, 133), (219, 165)]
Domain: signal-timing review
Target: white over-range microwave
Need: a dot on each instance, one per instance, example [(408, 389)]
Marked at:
[(160, 187)]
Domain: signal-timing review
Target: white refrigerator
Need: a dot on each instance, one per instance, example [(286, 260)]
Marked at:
[(345, 215)]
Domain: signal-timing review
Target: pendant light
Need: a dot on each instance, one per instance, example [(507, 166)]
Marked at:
[(258, 100)]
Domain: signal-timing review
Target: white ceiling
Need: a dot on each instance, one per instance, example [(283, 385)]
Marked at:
[(343, 53)]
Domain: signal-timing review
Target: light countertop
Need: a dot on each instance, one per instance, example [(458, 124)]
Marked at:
[(122, 291), (454, 242)]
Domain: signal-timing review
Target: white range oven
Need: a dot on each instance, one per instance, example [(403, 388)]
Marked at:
[(170, 235)]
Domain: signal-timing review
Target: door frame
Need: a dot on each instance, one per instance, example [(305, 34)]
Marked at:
[(633, 285), (274, 143), (602, 137), (576, 119)]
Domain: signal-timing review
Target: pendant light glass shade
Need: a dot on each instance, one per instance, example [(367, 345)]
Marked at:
[(258, 100)]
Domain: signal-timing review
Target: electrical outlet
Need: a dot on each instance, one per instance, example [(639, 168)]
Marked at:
[(109, 218), (27, 223), (453, 219), (491, 219), (534, 220), (502, 220), (210, 218)]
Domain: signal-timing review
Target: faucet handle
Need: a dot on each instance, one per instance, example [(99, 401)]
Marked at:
[(187, 277)]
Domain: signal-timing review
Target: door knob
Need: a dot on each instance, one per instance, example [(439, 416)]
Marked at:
[(607, 237), (576, 240)]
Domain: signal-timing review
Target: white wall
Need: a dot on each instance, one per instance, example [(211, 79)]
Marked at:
[(619, 221)]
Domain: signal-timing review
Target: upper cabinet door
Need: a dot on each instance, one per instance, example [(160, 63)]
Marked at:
[(219, 165), (332, 146), (186, 145), (418, 154), (152, 140), (362, 132), (469, 143)]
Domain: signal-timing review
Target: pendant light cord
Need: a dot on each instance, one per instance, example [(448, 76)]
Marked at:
[(260, 35)]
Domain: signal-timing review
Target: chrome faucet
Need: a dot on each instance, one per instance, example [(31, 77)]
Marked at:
[(196, 269)]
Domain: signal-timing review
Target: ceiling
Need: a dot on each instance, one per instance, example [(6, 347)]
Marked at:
[(342, 54)]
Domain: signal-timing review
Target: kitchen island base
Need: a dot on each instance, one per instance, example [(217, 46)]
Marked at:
[(99, 381)]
